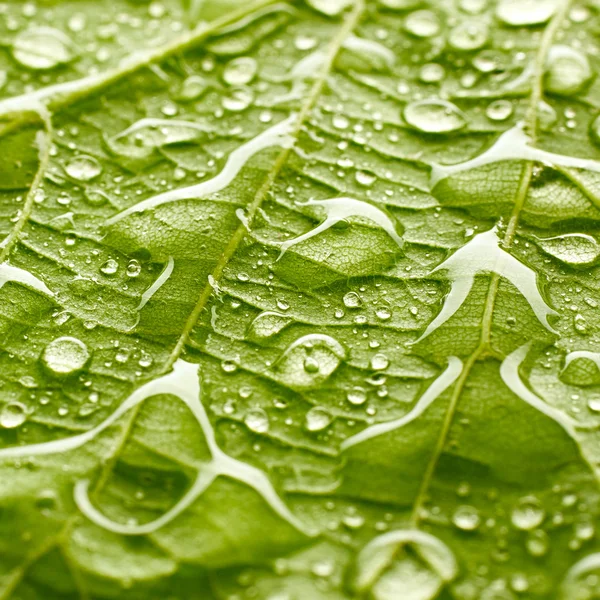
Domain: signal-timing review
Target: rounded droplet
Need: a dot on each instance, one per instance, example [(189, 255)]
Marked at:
[(466, 518), (192, 88), (380, 362), (134, 268), (400, 4), (96, 197), (266, 325), (499, 110), (567, 70), (357, 396), (12, 415), (352, 300), (469, 35), (83, 168), (520, 13), (317, 419), (42, 48), (65, 356), (422, 23), (238, 99), (527, 514), (582, 580), (434, 116), (432, 73), (257, 420), (330, 8), (537, 542), (581, 371), (110, 267), (573, 249), (240, 71), (309, 361)]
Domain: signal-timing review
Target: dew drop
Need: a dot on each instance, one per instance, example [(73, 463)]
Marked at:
[(357, 396), (83, 168), (499, 110), (432, 73), (573, 249), (352, 300), (469, 35), (237, 99), (527, 514), (192, 88), (466, 518), (110, 267), (65, 356), (519, 13), (537, 542), (567, 70), (317, 419), (240, 71), (134, 268), (380, 362), (12, 415), (42, 48), (422, 23), (434, 116), (257, 420)]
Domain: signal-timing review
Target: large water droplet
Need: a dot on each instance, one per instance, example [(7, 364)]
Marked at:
[(240, 71), (466, 518), (527, 514), (330, 7), (12, 415), (582, 581), (42, 48), (574, 249), (65, 356), (83, 168), (192, 88), (257, 420), (238, 99), (567, 70), (317, 419), (266, 325), (469, 35), (582, 368), (525, 12), (434, 116), (422, 23), (309, 361)]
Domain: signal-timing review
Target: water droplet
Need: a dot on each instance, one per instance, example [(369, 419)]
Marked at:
[(499, 110), (466, 518), (400, 4), (432, 73), (192, 88), (567, 70), (237, 99), (110, 267), (42, 48), (83, 168), (352, 300), (266, 325), (422, 23), (330, 7), (96, 197), (527, 514), (309, 361), (240, 71), (317, 419), (133, 268), (365, 178), (12, 415), (434, 116), (574, 249), (537, 542), (380, 362), (525, 12), (257, 420), (582, 580), (65, 356), (357, 396), (469, 35)]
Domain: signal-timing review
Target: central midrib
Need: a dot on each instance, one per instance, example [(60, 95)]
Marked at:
[(484, 348)]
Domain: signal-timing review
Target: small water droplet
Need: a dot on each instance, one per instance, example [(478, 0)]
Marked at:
[(352, 300), (192, 88), (110, 267), (357, 396), (499, 110), (134, 268), (469, 35), (466, 518)]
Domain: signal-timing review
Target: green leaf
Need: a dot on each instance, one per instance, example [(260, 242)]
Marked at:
[(299, 300)]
